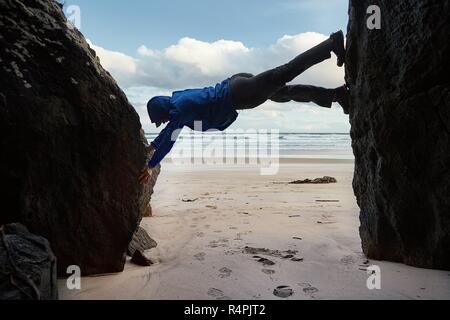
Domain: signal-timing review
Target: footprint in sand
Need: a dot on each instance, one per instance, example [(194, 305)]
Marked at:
[(225, 272), (218, 243), (283, 291), (268, 271), (347, 260), (200, 234), (308, 289), (213, 244), (297, 259), (200, 256), (264, 261), (217, 293)]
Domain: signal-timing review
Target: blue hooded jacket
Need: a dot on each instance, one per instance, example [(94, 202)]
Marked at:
[(213, 106)]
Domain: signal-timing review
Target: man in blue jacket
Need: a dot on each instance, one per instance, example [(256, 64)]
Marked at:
[(216, 107)]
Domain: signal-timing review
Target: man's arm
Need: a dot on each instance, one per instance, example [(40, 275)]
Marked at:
[(164, 142), (146, 173), (162, 146)]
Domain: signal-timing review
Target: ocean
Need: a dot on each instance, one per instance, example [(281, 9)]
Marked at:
[(252, 143)]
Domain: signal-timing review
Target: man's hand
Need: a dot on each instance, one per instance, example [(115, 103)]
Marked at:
[(145, 176), (150, 149), (146, 173)]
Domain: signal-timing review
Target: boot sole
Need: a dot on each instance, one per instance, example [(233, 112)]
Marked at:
[(339, 50)]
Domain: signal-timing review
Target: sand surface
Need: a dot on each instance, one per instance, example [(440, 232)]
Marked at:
[(205, 217)]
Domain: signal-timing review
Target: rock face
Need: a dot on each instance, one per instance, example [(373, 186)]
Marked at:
[(27, 266), (141, 241), (400, 117), (144, 202), (70, 147)]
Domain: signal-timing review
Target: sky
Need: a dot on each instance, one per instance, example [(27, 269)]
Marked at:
[(154, 47)]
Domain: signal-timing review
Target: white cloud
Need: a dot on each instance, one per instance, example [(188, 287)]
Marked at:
[(294, 117), (193, 63), (210, 59), (121, 65)]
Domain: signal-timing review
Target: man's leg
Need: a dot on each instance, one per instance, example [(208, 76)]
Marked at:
[(242, 75), (300, 93), (250, 92), (320, 96)]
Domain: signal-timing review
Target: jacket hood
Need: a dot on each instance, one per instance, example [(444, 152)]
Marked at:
[(159, 108)]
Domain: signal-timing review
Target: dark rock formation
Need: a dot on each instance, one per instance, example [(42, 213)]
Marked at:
[(70, 147), (141, 242), (400, 116), (140, 259), (27, 266), (324, 180)]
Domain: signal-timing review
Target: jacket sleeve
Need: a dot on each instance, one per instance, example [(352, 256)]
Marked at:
[(165, 141)]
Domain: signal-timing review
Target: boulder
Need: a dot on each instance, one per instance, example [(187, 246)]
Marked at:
[(71, 150), (27, 265), (400, 117), (141, 241), (140, 259)]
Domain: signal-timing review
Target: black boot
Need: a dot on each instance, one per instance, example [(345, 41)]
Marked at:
[(338, 47), (341, 96), (302, 93)]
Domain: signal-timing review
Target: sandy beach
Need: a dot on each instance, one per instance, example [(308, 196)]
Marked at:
[(211, 224)]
